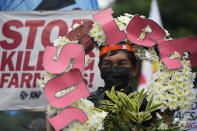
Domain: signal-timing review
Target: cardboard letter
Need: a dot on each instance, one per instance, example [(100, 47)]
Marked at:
[(112, 32), (135, 28), (69, 51), (66, 80), (67, 116), (188, 44)]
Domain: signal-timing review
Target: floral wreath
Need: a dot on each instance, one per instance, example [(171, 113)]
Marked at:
[(173, 88)]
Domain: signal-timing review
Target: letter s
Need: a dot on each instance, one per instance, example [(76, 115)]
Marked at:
[(7, 32)]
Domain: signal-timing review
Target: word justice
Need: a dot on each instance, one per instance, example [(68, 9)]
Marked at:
[(74, 50)]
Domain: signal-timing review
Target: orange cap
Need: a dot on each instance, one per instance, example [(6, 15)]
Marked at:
[(107, 48)]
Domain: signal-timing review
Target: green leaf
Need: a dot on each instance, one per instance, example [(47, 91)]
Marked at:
[(149, 103), (132, 116), (133, 106), (132, 94), (119, 105), (113, 92), (106, 102), (147, 117), (141, 97), (154, 107), (111, 96), (125, 99), (96, 109)]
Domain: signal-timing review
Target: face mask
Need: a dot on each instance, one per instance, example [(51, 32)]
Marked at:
[(117, 76)]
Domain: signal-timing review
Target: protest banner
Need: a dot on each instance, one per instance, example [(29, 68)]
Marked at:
[(24, 36)]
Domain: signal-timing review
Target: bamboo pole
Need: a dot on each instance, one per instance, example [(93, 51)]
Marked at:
[(49, 126)]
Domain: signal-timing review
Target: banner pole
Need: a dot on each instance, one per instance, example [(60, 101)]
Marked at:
[(48, 126)]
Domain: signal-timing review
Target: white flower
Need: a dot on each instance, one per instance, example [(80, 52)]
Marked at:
[(172, 98), (183, 122), (174, 88), (185, 63), (157, 99), (59, 94), (167, 32), (163, 126), (168, 38), (142, 35), (100, 38), (165, 95), (175, 120), (94, 32), (184, 85), (148, 29), (176, 54), (97, 33), (177, 89), (163, 75), (128, 15), (172, 56), (120, 25), (185, 55), (65, 91), (51, 111), (173, 105), (41, 84), (142, 16), (185, 107), (178, 99), (185, 99), (186, 70), (48, 76), (88, 60), (185, 91), (124, 19), (173, 84), (61, 41)]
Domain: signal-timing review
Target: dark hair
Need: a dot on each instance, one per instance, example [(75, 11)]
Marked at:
[(130, 55)]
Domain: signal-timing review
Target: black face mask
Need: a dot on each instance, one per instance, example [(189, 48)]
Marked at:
[(117, 76)]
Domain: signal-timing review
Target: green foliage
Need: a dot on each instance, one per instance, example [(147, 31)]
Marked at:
[(124, 113), (124, 110)]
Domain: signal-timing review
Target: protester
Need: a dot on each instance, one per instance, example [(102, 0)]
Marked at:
[(117, 66)]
